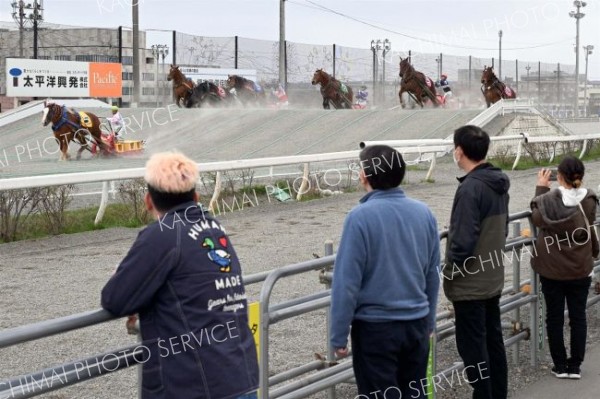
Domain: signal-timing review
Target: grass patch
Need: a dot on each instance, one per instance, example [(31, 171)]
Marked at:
[(526, 162), (79, 221)]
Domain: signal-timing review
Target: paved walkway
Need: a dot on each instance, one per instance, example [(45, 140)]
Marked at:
[(551, 387)]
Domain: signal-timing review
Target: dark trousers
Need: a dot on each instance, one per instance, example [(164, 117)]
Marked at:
[(390, 358), (575, 293), (481, 346)]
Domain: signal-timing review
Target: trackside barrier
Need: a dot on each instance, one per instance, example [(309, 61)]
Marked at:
[(325, 372)]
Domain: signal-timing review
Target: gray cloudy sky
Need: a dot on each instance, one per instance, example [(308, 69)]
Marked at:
[(532, 29)]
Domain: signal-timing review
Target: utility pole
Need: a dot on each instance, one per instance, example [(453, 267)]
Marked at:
[(36, 16), (282, 70), (500, 54), (387, 46), (527, 68), (577, 15), (136, 53), (588, 50), (24, 14)]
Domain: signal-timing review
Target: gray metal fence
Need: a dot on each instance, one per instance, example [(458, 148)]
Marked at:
[(317, 375)]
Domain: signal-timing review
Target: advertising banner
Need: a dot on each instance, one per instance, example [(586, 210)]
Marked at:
[(217, 76), (46, 78)]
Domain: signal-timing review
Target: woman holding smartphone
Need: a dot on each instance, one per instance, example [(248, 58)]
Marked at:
[(565, 249)]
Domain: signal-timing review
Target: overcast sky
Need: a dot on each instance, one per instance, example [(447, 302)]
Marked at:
[(532, 29)]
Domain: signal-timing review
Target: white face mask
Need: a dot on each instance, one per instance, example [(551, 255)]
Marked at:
[(454, 158)]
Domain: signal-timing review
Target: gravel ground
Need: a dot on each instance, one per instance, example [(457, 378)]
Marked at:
[(63, 275)]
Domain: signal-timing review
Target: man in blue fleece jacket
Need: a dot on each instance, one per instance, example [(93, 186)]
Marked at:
[(386, 282)]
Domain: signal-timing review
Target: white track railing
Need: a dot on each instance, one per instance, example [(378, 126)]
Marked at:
[(107, 176), (427, 150)]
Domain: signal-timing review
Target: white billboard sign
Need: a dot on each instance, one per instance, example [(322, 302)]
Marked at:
[(46, 78), (217, 76)]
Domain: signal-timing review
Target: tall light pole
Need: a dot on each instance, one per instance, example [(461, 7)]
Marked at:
[(282, 44), (159, 50), (24, 14), (527, 68), (500, 54), (577, 15), (375, 47), (588, 50), (387, 46), (164, 53), (136, 52)]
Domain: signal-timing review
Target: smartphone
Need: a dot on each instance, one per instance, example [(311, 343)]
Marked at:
[(553, 174)]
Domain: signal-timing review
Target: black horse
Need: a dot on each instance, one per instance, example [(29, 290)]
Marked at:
[(206, 93)]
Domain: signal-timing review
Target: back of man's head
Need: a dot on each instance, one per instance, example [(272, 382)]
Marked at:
[(171, 179), (473, 141), (383, 166)]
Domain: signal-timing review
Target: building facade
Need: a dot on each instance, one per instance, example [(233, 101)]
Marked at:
[(57, 42)]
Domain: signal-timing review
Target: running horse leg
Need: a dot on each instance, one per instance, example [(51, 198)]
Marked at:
[(400, 96), (63, 142)]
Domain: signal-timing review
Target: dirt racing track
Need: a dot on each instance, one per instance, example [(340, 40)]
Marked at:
[(27, 148)]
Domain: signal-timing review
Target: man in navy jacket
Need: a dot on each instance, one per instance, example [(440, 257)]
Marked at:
[(183, 277), (386, 282)]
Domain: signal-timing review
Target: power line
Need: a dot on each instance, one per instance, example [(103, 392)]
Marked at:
[(372, 25)]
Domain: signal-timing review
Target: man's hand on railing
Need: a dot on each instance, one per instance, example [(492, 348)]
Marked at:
[(131, 325)]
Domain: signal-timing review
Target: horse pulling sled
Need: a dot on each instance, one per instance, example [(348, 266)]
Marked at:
[(85, 129)]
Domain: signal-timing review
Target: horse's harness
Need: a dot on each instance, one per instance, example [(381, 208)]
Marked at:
[(64, 120), (421, 85), (340, 91), (497, 85)]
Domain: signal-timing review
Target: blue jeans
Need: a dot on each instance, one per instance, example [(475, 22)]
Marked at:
[(251, 395)]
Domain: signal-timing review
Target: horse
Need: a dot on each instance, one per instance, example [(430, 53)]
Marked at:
[(206, 92), (182, 86), (333, 91), (416, 84), (493, 89), (246, 90), (69, 125)]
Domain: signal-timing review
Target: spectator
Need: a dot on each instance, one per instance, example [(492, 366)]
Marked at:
[(473, 271), (566, 246), (183, 277), (386, 281)]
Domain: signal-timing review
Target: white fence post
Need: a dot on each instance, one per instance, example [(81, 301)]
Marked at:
[(103, 203)]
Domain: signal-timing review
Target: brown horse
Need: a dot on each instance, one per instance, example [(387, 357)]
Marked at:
[(416, 84), (246, 90), (207, 93), (493, 89), (333, 91), (68, 126), (182, 86)]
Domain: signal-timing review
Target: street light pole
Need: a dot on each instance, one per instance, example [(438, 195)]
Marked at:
[(527, 68), (577, 15), (387, 46), (164, 53), (500, 54), (159, 50), (375, 47), (588, 50), (282, 69)]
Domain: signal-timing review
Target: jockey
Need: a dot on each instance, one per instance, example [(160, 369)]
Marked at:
[(282, 98), (445, 85), (117, 122), (361, 96)]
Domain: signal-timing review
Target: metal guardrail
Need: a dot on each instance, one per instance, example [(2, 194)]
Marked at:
[(326, 372)]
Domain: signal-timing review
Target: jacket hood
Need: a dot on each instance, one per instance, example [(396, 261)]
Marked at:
[(559, 208), (490, 175), (573, 196)]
